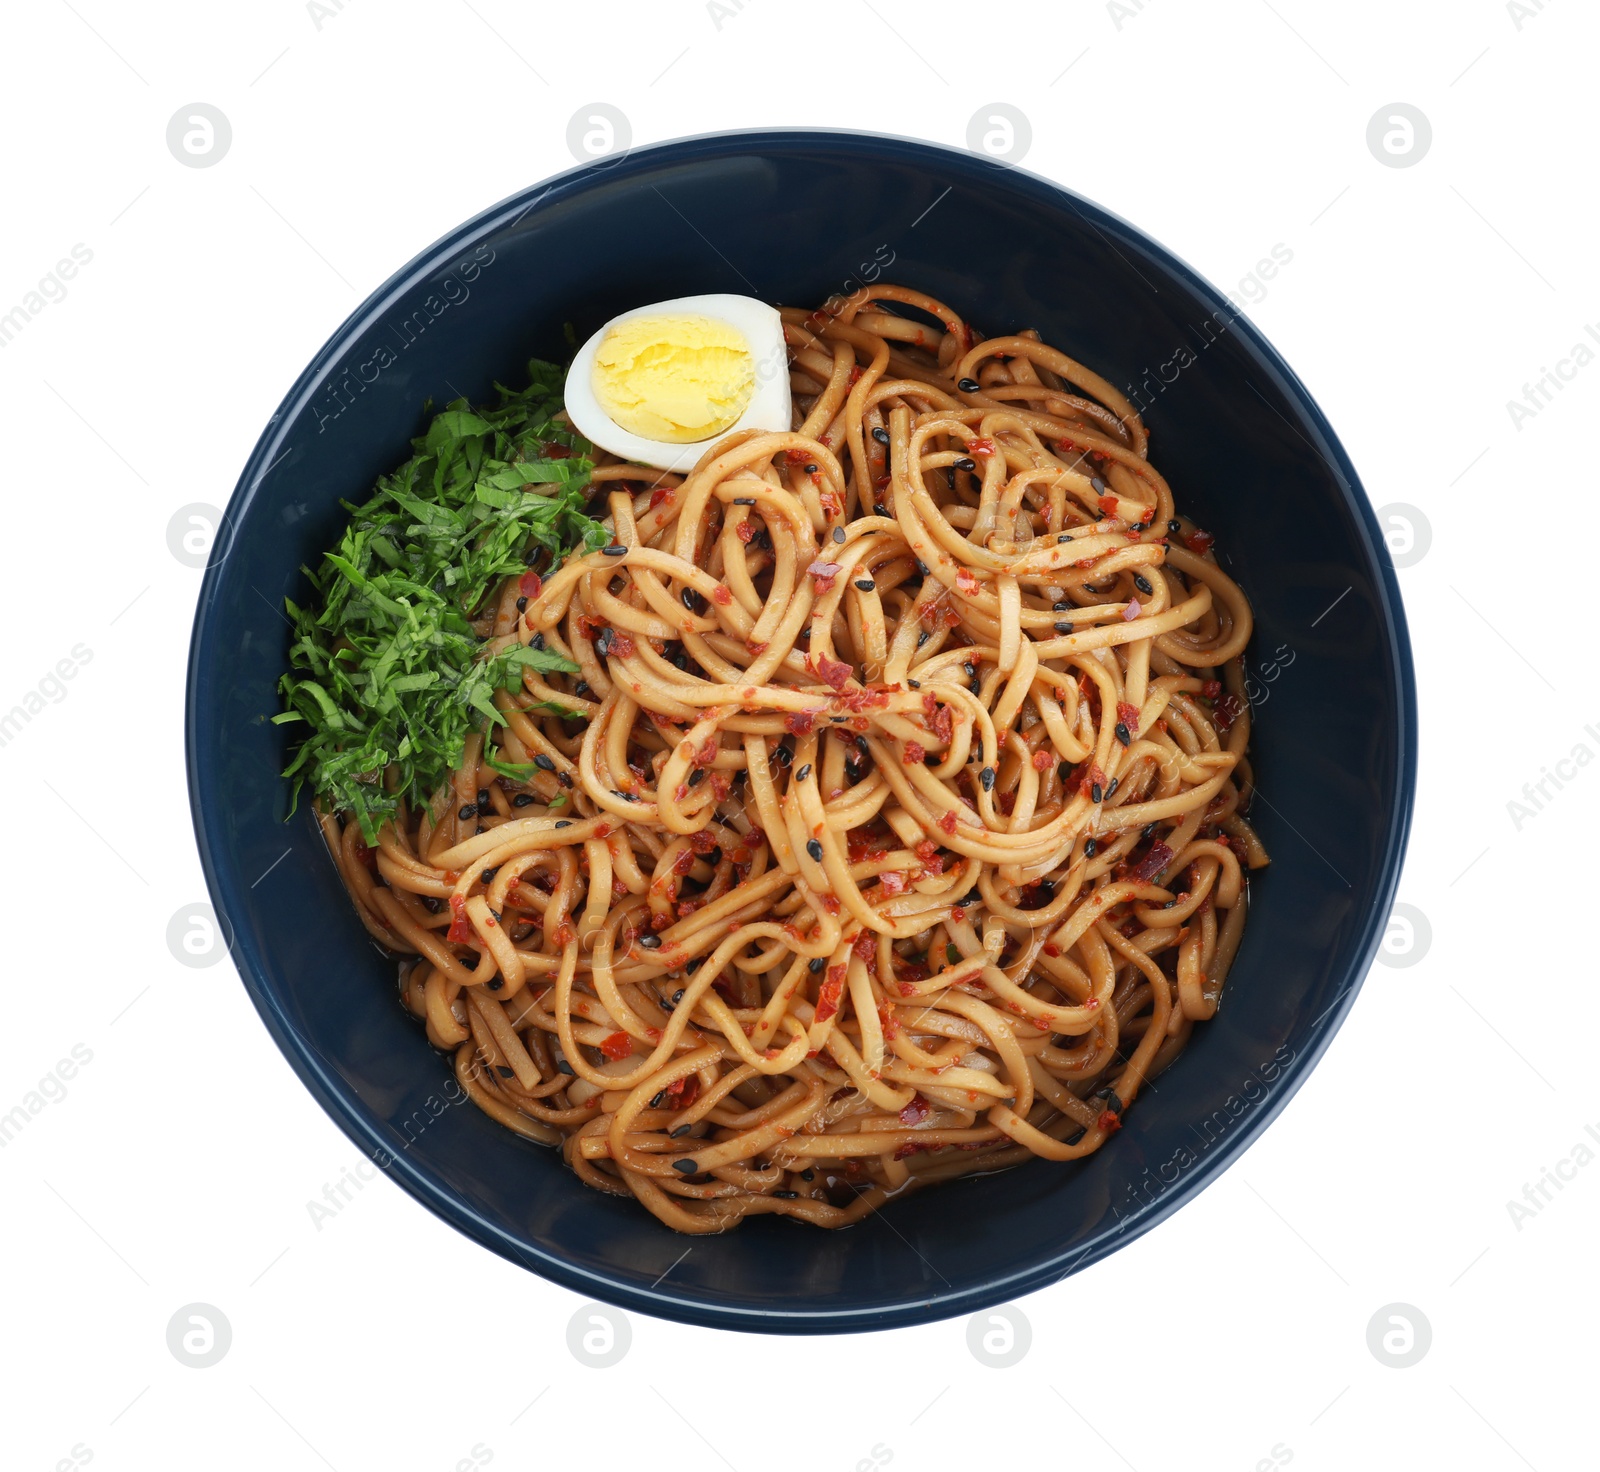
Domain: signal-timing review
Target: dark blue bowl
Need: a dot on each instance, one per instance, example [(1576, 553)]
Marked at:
[(793, 217)]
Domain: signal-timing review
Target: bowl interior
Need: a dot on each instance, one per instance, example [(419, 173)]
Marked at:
[(794, 218)]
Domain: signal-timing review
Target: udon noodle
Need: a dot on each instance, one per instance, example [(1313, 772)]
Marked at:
[(902, 834)]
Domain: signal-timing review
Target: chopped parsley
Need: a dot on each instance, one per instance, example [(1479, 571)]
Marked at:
[(387, 669)]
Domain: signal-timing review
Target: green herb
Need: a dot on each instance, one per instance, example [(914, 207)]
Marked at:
[(388, 668)]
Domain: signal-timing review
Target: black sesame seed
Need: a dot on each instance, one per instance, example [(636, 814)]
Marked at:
[(602, 643), (1142, 583), (488, 876), (1090, 848), (681, 1131), (433, 903), (1147, 830), (650, 942), (1113, 787), (468, 810), (914, 684), (659, 1100), (523, 799), (1063, 539), (881, 435), (494, 983), (503, 1071), (879, 510), (688, 1167), (1046, 889), (544, 763), (1075, 1136), (986, 776), (785, 1195), (1096, 793), (697, 776), (866, 585), (563, 779), (922, 638), (688, 599), (838, 534), (971, 898), (563, 823), (537, 642), (1060, 607), (1098, 484), (922, 567), (744, 500), (808, 1175), (616, 549), (564, 1067), (1174, 526), (1064, 626), (811, 470), (1064, 771), (970, 669), (803, 772), (1122, 733), (522, 604), (816, 964), (966, 462), (483, 797), (783, 756), (1137, 526), (814, 848), (968, 385), (950, 476)]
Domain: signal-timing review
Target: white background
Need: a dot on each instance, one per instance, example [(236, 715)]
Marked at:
[(179, 1165)]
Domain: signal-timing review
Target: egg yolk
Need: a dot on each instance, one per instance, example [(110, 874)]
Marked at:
[(674, 379)]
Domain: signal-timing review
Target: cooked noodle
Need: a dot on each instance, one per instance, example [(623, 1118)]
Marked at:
[(902, 833)]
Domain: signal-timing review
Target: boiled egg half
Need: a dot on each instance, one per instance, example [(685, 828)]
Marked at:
[(658, 384)]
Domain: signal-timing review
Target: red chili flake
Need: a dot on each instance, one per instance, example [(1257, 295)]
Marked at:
[(684, 862), (721, 595), (833, 672), (461, 931), (1096, 778), (1043, 759), (1108, 1122), (893, 882), (830, 903), (1199, 542), (861, 699), (797, 457), (947, 823), (1050, 948), (926, 850), (913, 754), (888, 1021), (589, 627), (1108, 505), (703, 841), (937, 718), (1152, 863), (744, 531), (1065, 446), (865, 945), (684, 1091), (957, 914), (563, 934), (829, 993), (916, 1111), (824, 573), (662, 496), (799, 722), (617, 1046), (365, 855), (967, 582), (981, 447), (707, 751), (1211, 689), (831, 505), (1129, 716), (529, 584), (1229, 708), (757, 647), (622, 646), (855, 373)]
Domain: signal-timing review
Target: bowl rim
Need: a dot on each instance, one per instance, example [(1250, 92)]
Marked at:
[(342, 1104)]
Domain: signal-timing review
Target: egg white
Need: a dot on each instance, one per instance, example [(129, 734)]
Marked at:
[(769, 407)]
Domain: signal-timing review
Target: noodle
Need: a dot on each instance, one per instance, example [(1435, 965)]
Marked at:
[(895, 827)]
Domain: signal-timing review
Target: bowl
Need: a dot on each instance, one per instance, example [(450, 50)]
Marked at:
[(794, 217)]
